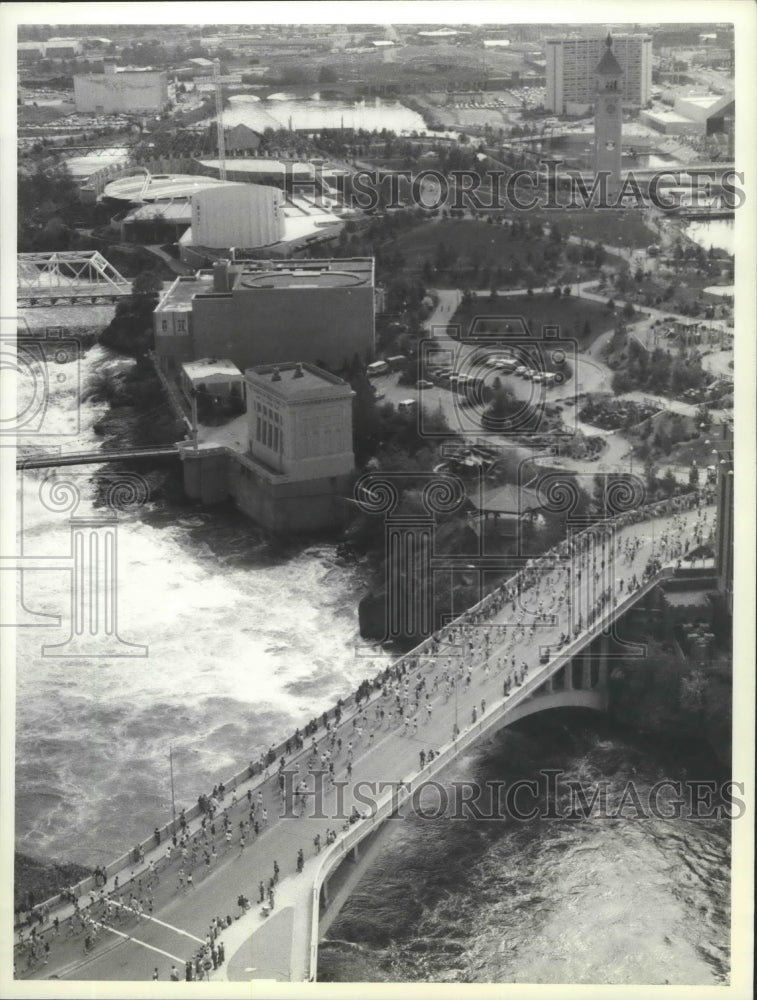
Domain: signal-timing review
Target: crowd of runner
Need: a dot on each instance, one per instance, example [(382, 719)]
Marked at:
[(496, 637)]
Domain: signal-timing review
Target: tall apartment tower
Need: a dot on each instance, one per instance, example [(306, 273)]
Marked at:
[(608, 118), (571, 62)]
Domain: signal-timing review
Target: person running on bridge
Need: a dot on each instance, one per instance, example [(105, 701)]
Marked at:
[(422, 758), (317, 843), (155, 975), (276, 871), (300, 860)]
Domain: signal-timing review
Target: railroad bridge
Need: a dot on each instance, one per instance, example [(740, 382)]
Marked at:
[(68, 277)]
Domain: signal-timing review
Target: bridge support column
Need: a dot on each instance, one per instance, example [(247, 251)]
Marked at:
[(604, 644), (356, 852), (568, 674), (585, 672), (325, 892), (549, 686)]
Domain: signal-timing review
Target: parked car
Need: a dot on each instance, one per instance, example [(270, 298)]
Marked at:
[(423, 383), (520, 370)]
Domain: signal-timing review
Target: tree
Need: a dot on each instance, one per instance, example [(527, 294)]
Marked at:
[(669, 483), (131, 329)]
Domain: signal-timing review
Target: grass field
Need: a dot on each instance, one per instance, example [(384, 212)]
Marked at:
[(570, 314), (492, 243), (607, 226)]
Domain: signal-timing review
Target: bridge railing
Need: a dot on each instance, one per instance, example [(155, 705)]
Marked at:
[(394, 799), (258, 769)]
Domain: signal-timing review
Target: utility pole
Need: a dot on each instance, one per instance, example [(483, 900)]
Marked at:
[(173, 797)]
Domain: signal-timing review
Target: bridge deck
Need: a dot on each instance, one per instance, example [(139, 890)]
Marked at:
[(382, 754)]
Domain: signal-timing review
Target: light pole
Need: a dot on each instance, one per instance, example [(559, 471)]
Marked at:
[(173, 795)]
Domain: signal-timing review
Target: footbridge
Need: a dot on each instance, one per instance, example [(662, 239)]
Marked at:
[(95, 457), (543, 640)]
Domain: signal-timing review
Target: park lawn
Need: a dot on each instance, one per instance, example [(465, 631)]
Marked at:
[(569, 313), (608, 226), (492, 242)]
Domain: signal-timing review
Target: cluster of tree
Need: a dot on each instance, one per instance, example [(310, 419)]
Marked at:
[(380, 432), (659, 371), (45, 200), (131, 329)]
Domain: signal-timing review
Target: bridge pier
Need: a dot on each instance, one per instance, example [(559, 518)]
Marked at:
[(585, 672), (568, 672)]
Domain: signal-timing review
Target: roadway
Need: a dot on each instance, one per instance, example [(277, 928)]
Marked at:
[(181, 916)]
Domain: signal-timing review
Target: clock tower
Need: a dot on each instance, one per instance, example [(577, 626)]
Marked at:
[(608, 118)]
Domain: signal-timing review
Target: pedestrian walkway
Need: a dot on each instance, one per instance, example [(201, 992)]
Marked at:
[(252, 850)]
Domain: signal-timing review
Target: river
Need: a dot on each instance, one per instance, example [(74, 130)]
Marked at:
[(719, 233), (611, 901), (247, 639)]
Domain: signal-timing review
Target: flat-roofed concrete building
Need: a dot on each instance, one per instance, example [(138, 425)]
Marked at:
[(572, 62), (300, 420), (127, 90), (269, 312), (295, 471)]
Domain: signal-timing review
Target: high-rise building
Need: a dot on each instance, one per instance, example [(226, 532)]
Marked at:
[(571, 65), (608, 117)]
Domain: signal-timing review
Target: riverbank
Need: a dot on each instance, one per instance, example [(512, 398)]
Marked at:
[(35, 880)]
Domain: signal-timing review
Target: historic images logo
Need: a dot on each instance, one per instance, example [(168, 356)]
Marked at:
[(496, 417), (44, 365)]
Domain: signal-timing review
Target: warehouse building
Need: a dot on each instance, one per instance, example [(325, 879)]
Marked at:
[(121, 90)]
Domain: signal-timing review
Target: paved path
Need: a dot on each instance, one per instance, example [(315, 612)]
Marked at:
[(387, 749)]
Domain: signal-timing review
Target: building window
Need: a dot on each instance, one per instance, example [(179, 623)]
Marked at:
[(164, 325)]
